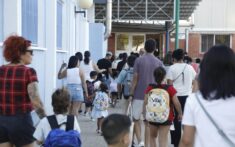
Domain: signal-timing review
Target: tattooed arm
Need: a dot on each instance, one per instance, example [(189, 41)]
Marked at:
[(35, 99)]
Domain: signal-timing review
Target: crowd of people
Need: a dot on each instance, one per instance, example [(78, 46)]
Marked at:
[(163, 94)]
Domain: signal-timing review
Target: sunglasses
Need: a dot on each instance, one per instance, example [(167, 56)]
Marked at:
[(30, 51)]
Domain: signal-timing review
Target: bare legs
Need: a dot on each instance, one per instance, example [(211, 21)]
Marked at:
[(162, 131), (8, 144), (99, 123), (75, 107)]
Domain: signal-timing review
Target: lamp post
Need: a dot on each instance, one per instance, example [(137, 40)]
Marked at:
[(84, 4)]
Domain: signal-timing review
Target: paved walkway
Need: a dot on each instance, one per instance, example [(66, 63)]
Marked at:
[(89, 136)]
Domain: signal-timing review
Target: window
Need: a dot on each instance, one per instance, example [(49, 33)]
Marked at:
[(208, 40), (30, 20), (1, 20), (122, 42), (59, 24), (137, 42), (222, 39)]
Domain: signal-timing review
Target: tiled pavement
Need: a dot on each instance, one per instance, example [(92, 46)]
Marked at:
[(89, 136)]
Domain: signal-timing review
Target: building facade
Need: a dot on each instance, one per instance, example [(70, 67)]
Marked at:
[(211, 23), (56, 32)]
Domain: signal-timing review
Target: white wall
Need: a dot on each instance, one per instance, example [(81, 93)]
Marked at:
[(98, 46), (215, 14), (47, 59)]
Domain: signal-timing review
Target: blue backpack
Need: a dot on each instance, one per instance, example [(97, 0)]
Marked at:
[(128, 81), (61, 138)]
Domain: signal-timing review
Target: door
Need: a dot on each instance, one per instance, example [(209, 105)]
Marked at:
[(128, 43)]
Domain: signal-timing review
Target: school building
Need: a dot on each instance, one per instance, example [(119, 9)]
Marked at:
[(60, 28), (203, 24)]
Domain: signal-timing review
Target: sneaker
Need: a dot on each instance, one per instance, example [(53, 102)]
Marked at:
[(133, 144), (141, 144), (87, 114), (92, 119), (98, 131), (80, 111)]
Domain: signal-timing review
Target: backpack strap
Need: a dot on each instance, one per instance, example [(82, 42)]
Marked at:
[(159, 86), (70, 122), (53, 122)]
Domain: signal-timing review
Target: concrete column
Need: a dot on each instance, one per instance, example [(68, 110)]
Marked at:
[(91, 14), (12, 17), (82, 33), (186, 39), (50, 41)]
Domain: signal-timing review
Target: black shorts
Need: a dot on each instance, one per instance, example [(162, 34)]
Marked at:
[(114, 94), (88, 104), (166, 123), (17, 129), (126, 97)]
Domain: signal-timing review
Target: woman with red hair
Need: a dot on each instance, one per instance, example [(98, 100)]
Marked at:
[(18, 94)]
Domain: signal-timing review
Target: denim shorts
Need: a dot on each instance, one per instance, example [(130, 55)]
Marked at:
[(17, 129), (76, 92)]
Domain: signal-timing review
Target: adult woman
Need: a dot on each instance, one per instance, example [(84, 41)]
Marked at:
[(182, 77), (18, 94), (75, 83), (87, 65), (217, 95)]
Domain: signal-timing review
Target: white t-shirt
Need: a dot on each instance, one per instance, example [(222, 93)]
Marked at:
[(182, 86), (87, 68), (222, 112), (113, 85), (44, 128), (115, 63), (73, 76)]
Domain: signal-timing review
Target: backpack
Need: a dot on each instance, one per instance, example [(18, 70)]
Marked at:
[(127, 81), (90, 90), (158, 104), (61, 138), (113, 85), (101, 101)]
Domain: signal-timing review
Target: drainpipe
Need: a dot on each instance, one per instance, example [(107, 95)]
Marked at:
[(186, 39), (108, 19), (177, 17)]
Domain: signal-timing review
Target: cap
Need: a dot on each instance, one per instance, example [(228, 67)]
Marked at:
[(109, 54)]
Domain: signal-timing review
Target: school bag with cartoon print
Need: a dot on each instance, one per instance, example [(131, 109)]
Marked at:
[(101, 101), (158, 104)]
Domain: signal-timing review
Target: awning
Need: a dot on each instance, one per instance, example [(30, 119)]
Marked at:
[(145, 10)]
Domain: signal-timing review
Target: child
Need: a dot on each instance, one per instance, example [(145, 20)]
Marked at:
[(101, 104), (113, 88), (119, 136), (125, 79), (60, 103), (154, 102), (91, 92)]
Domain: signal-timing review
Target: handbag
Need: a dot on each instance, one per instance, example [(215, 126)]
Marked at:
[(220, 131), (182, 73)]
